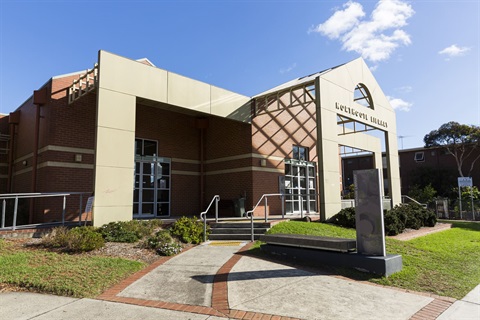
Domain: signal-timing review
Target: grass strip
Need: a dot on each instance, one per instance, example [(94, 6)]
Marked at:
[(62, 274), (444, 263)]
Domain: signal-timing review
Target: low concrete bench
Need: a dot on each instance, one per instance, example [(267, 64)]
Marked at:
[(326, 250), (311, 242)]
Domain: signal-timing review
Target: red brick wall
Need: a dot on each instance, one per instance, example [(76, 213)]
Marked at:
[(60, 125), (275, 132), (177, 137), (228, 138)]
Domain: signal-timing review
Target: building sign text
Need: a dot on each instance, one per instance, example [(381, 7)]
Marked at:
[(360, 115)]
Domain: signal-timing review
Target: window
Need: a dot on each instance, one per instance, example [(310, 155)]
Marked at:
[(362, 96), (145, 148), (300, 153), (419, 156)]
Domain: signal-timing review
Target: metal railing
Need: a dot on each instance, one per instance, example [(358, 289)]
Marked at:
[(17, 196), (203, 215), (249, 214), (405, 198)]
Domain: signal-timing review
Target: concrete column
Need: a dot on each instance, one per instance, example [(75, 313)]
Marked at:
[(393, 167), (114, 157), (328, 168)]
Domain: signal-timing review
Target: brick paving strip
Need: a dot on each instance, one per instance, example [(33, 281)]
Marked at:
[(220, 306), (111, 294), (433, 310)]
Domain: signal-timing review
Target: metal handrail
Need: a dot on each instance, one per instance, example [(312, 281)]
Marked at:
[(17, 196), (413, 200), (203, 215), (249, 214)]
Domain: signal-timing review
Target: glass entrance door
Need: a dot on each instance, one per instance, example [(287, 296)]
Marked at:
[(151, 195), (300, 186)]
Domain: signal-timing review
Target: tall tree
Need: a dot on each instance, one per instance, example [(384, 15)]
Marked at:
[(460, 140)]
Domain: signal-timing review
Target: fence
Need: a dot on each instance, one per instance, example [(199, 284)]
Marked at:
[(53, 207)]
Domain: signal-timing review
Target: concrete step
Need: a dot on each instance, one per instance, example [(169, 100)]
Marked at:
[(237, 230), (232, 236)]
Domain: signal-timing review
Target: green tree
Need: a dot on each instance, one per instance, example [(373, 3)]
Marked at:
[(468, 192), (460, 140), (423, 195)]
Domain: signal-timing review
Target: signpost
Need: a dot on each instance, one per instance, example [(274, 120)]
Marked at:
[(465, 182)]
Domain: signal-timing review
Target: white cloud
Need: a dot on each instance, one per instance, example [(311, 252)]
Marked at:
[(375, 38), (454, 51), (341, 21), (399, 104), (290, 68)]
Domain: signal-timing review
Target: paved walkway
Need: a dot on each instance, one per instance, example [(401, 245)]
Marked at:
[(216, 281)]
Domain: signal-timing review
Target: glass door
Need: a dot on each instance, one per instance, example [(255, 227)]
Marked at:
[(300, 186), (151, 195)]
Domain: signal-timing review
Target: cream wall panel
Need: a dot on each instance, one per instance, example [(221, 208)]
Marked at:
[(393, 165), (114, 187), (361, 141), (332, 209), (332, 204), (117, 148), (225, 102), (104, 215), (340, 77), (114, 155), (185, 92), (116, 110), (132, 77)]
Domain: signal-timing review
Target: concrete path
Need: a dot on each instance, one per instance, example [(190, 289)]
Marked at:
[(466, 309), (212, 282)]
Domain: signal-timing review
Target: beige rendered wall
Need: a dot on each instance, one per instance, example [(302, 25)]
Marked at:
[(121, 82), (114, 157), (336, 88)]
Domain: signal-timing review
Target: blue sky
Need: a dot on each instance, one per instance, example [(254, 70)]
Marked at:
[(424, 54)]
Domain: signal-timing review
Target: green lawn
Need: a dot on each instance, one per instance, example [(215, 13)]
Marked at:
[(446, 263), (62, 274)]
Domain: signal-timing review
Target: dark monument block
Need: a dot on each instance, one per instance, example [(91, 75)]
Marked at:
[(329, 251), (313, 242)]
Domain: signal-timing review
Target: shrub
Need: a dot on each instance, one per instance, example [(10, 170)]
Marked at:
[(393, 224), (414, 216), (79, 239), (344, 218), (163, 243), (82, 239), (57, 238), (411, 215), (188, 230), (169, 249), (128, 231), (159, 238)]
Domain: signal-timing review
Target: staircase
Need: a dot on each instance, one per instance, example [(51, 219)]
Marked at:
[(237, 230)]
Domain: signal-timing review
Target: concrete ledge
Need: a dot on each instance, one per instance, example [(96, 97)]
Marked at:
[(313, 242), (384, 266)]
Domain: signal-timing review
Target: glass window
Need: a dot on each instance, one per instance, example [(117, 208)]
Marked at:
[(300, 153), (362, 96), (145, 148), (295, 152), (419, 156)]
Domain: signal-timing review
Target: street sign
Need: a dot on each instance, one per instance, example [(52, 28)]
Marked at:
[(464, 182)]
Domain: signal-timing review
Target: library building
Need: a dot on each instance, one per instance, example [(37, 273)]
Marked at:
[(141, 142)]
